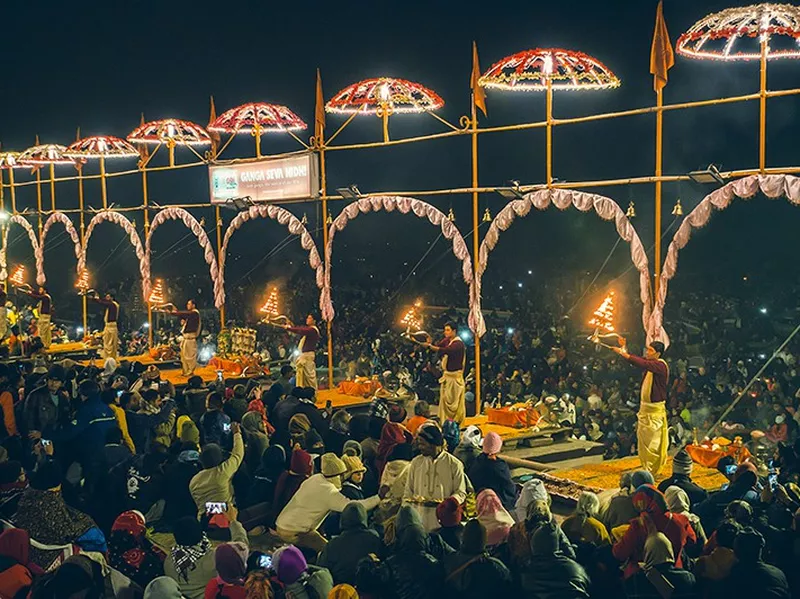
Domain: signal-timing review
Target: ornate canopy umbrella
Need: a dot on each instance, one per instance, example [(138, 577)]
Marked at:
[(173, 132), (256, 118), (772, 30), (43, 155), (384, 96), (549, 69), (8, 162), (543, 68), (101, 147), (758, 32)]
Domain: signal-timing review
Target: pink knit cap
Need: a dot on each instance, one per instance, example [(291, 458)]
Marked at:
[(492, 443)]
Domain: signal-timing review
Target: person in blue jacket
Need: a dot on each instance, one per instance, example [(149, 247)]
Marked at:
[(88, 429)]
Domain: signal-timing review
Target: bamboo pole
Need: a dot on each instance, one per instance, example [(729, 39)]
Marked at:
[(146, 232), (659, 184), (83, 241), (219, 260), (39, 198), (52, 187), (549, 116), (476, 245), (762, 137), (325, 233), (103, 188), (257, 135), (13, 191)]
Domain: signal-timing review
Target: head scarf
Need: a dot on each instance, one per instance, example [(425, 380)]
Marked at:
[(253, 422), (163, 587), (257, 406), (230, 560), (301, 463), (354, 447), (343, 591), (533, 490), (392, 434), (273, 462), (652, 507), (588, 506), (677, 500), (657, 551), (451, 433), (493, 516), (471, 438), (299, 425)]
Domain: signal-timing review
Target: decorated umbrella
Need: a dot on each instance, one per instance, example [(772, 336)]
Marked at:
[(42, 155), (173, 132), (384, 96), (101, 147), (256, 118), (549, 69), (8, 162), (758, 32)]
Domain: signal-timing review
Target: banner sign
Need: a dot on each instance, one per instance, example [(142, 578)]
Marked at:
[(266, 180)]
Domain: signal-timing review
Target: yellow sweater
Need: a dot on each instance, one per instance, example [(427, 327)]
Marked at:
[(122, 422)]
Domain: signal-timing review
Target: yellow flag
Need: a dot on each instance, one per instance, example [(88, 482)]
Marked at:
[(662, 57), (478, 93), (319, 110)]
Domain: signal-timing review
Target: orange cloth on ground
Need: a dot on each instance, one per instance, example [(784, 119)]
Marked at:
[(358, 388), (705, 456), (515, 418), (229, 366)]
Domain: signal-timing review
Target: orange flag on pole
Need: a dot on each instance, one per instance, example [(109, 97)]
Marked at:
[(215, 137), (319, 110), (478, 93), (662, 57)]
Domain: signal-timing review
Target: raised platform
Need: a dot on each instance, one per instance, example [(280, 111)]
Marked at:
[(605, 475), (145, 359)]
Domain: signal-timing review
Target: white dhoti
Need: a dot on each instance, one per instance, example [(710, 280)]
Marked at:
[(306, 370), (189, 353), (45, 330), (110, 341), (451, 396), (652, 436)]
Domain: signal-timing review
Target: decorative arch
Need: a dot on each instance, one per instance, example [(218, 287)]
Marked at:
[(606, 208), (20, 220), (174, 213), (421, 209), (772, 186), (283, 217), (56, 217), (120, 220)]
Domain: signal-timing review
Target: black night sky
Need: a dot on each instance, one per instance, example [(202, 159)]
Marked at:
[(97, 66)]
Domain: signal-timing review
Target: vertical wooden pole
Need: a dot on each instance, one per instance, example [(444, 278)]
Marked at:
[(257, 135), (146, 232), (762, 138), (549, 142), (83, 242), (323, 182), (39, 197), (52, 187), (659, 171), (13, 191), (218, 218), (103, 188), (476, 246)]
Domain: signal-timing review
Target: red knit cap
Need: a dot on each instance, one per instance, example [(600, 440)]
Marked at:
[(449, 512)]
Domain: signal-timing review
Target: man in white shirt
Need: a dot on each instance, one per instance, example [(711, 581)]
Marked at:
[(433, 476), (315, 499)]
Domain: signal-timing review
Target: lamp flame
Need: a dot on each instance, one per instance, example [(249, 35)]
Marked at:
[(157, 294), (412, 319), (603, 317), (270, 307)]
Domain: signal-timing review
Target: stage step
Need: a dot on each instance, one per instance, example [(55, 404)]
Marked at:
[(553, 453)]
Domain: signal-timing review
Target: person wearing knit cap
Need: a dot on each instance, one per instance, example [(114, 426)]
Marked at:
[(397, 413), (356, 541), (489, 472), (682, 478), (449, 513), (300, 580), (230, 560), (163, 587), (653, 516), (433, 476), (188, 431), (297, 523), (301, 467)]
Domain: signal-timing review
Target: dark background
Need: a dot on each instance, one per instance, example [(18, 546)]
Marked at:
[(99, 65)]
